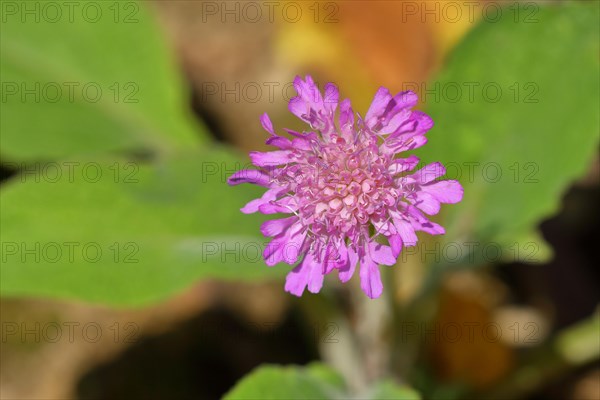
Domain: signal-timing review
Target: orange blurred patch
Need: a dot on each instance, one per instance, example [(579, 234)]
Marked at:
[(470, 348)]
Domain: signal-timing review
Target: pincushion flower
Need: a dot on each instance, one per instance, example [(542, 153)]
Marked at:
[(346, 186)]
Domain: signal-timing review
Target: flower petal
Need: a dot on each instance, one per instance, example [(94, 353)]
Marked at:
[(309, 92), (382, 254), (396, 244), (279, 141), (299, 108), (285, 205), (429, 172), (448, 191), (388, 113), (271, 158), (400, 165), (285, 247), (418, 123), (331, 98), (346, 120), (266, 123), (254, 205), (421, 223), (307, 273), (378, 105), (346, 271), (405, 229), (425, 202), (254, 176), (398, 145), (277, 226), (297, 279), (370, 278), (315, 277)]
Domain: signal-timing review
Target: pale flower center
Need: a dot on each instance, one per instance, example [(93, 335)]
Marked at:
[(342, 186)]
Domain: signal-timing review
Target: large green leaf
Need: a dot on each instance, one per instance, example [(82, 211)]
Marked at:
[(87, 77), (389, 390), (540, 137), (315, 381), (159, 229)]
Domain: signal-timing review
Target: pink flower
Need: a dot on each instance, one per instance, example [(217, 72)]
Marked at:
[(344, 186)]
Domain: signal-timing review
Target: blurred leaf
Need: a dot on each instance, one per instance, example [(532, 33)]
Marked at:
[(389, 390), (94, 79), (125, 234), (579, 344), (540, 133), (315, 381)]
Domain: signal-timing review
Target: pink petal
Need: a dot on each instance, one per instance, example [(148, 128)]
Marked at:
[(425, 202), (406, 99), (382, 254), (297, 279), (405, 229), (285, 205), (334, 256), (378, 105), (398, 145), (421, 223), (271, 158), (419, 123), (370, 278), (331, 99), (307, 273), (400, 165), (346, 120), (285, 247), (254, 176), (315, 277), (429, 172), (449, 191), (298, 107), (395, 244), (301, 144), (279, 141), (309, 92), (277, 226), (395, 122), (254, 205), (388, 113), (267, 124), (346, 271)]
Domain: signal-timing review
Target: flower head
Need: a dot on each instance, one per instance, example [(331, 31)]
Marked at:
[(346, 186)]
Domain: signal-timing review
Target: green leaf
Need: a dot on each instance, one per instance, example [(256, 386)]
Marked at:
[(389, 390), (86, 78), (128, 234), (315, 381), (540, 133)]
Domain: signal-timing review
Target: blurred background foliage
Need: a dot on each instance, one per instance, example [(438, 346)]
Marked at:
[(199, 322)]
